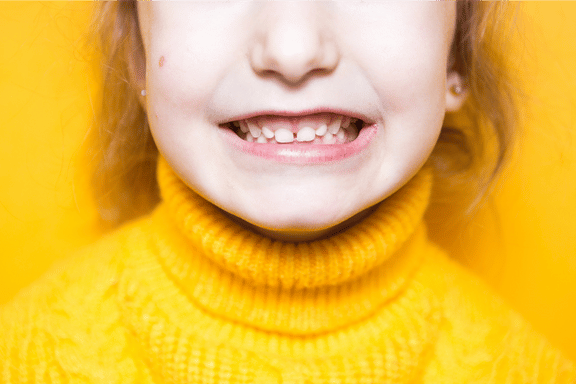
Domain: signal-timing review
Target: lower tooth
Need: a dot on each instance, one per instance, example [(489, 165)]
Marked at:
[(352, 132), (328, 139)]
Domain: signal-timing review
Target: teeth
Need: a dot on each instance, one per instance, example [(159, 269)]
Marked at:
[(243, 126), (283, 135), (346, 122), (335, 125), (341, 129), (352, 132), (254, 129), (306, 134), (321, 131), (328, 139), (267, 132)]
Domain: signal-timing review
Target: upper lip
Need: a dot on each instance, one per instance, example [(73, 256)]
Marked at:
[(312, 111)]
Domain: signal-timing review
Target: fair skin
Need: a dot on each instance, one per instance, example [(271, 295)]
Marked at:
[(212, 63)]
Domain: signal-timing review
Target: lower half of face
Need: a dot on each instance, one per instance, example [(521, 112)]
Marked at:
[(296, 191), (287, 148)]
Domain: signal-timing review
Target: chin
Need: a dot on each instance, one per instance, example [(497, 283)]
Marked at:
[(296, 221), (293, 229)]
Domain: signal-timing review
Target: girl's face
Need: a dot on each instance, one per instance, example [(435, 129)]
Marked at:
[(289, 71)]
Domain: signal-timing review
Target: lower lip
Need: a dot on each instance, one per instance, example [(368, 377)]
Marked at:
[(303, 153)]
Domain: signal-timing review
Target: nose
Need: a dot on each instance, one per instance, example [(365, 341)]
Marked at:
[(292, 41)]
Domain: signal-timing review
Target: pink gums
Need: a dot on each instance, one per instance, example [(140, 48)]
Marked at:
[(302, 153)]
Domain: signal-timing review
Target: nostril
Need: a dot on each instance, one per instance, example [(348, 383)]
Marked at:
[(293, 51)]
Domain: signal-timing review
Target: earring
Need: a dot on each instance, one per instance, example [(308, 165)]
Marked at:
[(456, 89), (143, 92)]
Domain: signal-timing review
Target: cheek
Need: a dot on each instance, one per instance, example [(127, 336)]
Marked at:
[(404, 57), (412, 93), (411, 78), (173, 79), (184, 67)]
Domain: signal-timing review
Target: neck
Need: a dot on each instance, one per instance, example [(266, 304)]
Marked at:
[(296, 288), (302, 235)]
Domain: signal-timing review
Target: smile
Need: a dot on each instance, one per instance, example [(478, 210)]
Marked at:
[(317, 138), (323, 128)]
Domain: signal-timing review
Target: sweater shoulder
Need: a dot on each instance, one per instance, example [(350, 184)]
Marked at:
[(67, 323), (482, 337)]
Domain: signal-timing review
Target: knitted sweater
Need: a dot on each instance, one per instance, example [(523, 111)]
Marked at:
[(185, 295)]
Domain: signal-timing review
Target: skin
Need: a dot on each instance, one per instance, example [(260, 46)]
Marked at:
[(386, 60)]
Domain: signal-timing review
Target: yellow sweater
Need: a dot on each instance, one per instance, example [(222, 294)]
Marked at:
[(185, 295)]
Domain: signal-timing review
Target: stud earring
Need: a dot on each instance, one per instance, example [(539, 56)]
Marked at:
[(143, 92), (456, 89)]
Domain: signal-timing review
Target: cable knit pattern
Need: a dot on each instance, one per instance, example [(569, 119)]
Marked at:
[(185, 295)]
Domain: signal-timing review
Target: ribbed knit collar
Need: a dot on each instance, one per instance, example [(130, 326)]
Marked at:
[(205, 300), (290, 288)]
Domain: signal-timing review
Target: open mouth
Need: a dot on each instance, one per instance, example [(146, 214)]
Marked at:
[(321, 128)]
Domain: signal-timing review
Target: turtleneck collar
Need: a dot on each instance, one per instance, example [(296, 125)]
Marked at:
[(290, 288)]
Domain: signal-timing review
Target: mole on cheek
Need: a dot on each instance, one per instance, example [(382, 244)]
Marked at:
[(161, 62)]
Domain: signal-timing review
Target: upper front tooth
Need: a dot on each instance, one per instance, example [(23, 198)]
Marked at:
[(267, 132), (306, 134), (254, 129), (335, 125), (283, 135)]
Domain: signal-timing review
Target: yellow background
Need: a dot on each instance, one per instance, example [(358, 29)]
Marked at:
[(523, 242)]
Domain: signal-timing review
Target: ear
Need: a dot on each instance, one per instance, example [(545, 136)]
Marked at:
[(456, 92)]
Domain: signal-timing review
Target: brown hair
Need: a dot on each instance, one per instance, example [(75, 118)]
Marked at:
[(472, 149)]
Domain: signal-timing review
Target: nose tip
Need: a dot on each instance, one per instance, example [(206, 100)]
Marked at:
[(292, 43)]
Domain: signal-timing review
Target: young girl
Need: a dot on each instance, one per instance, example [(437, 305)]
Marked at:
[(295, 146)]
